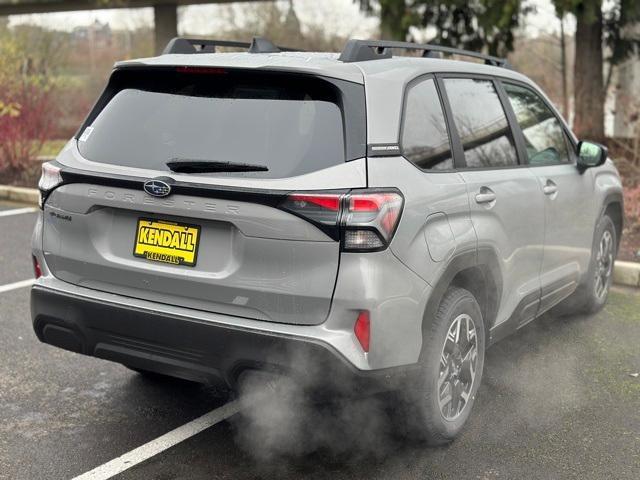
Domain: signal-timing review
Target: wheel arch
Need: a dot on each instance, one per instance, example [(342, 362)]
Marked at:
[(475, 271), (613, 206)]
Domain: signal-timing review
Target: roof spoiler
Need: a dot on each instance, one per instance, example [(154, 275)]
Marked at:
[(184, 45)]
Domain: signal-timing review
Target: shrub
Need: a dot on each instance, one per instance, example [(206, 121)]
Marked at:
[(632, 207), (26, 114), (27, 108)]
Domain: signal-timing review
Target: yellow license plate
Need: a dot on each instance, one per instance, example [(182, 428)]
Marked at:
[(167, 242)]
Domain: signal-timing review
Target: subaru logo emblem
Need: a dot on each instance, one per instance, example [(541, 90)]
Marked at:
[(157, 188)]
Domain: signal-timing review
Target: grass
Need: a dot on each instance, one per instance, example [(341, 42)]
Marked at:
[(614, 347), (624, 306)]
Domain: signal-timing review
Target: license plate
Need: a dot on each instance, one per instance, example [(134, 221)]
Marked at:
[(167, 242)]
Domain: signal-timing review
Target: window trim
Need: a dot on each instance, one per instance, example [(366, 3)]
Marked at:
[(459, 157), (407, 88), (568, 136), (459, 161)]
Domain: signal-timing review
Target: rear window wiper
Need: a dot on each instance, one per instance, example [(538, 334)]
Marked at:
[(180, 165)]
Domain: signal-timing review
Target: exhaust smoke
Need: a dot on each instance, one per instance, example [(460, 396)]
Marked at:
[(285, 418)]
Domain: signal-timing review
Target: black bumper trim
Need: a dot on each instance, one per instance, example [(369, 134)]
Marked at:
[(190, 348)]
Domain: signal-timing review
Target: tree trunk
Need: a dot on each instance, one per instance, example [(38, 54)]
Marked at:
[(589, 92), (563, 56), (392, 20)]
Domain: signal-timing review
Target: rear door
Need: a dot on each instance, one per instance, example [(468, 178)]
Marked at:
[(436, 206), (507, 209), (260, 244), (568, 194)]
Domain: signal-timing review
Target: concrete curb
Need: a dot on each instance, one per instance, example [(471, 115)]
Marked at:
[(19, 194), (625, 273)]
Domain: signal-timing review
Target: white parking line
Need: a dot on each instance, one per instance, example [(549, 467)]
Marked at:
[(160, 444), (17, 211), (16, 285)]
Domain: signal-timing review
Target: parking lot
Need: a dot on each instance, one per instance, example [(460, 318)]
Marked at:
[(558, 401)]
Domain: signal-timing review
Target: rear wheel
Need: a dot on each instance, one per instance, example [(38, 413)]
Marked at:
[(451, 370)]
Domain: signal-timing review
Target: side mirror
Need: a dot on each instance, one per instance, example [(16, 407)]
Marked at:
[(591, 154)]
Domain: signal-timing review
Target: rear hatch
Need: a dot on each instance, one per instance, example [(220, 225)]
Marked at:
[(244, 230)]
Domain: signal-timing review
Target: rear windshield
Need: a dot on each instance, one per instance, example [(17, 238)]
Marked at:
[(291, 124)]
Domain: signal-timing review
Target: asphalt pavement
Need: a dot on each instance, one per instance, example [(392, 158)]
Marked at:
[(558, 400)]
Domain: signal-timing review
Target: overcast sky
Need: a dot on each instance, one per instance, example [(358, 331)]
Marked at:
[(342, 16)]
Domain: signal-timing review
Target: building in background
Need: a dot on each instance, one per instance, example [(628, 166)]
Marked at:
[(97, 33)]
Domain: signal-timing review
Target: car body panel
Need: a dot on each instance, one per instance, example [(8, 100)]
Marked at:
[(426, 194), (503, 227), (568, 232), (394, 295), (253, 260), (607, 186)]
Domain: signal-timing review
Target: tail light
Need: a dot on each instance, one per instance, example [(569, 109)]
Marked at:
[(37, 270), (370, 220), (49, 179), (365, 221), (362, 329), (321, 209), (201, 70)]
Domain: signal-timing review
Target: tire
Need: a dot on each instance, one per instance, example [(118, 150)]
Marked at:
[(441, 370), (592, 295)]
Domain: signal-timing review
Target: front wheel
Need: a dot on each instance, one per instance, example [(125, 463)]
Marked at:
[(602, 263), (591, 296), (451, 370)]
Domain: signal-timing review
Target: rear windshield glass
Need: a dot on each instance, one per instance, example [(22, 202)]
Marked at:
[(289, 124)]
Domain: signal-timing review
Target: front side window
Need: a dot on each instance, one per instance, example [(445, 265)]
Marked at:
[(481, 122), (425, 141), (543, 133)]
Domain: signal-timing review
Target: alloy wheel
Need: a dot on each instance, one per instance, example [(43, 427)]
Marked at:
[(604, 265), (458, 363)]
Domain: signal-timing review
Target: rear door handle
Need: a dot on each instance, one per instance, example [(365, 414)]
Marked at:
[(550, 188), (486, 195)]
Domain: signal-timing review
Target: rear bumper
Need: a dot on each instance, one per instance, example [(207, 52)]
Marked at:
[(191, 348)]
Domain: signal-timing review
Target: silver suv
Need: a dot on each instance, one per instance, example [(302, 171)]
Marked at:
[(356, 219)]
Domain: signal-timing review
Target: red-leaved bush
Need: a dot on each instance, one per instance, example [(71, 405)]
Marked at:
[(25, 123), (632, 207)]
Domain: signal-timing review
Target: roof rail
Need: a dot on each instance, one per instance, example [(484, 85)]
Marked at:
[(204, 45), (363, 50)]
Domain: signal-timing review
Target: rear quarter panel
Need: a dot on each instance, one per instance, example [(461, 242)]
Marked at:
[(435, 223)]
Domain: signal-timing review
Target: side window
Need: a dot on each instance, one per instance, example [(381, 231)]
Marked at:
[(481, 122), (425, 141), (543, 134)]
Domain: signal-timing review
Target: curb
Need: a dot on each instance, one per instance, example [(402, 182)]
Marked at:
[(625, 273), (20, 194)]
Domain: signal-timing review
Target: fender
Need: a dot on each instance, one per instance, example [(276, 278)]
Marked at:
[(608, 191), (486, 260), (610, 199)]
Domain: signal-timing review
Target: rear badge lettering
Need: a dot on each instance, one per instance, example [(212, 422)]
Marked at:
[(222, 208), (60, 216)]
